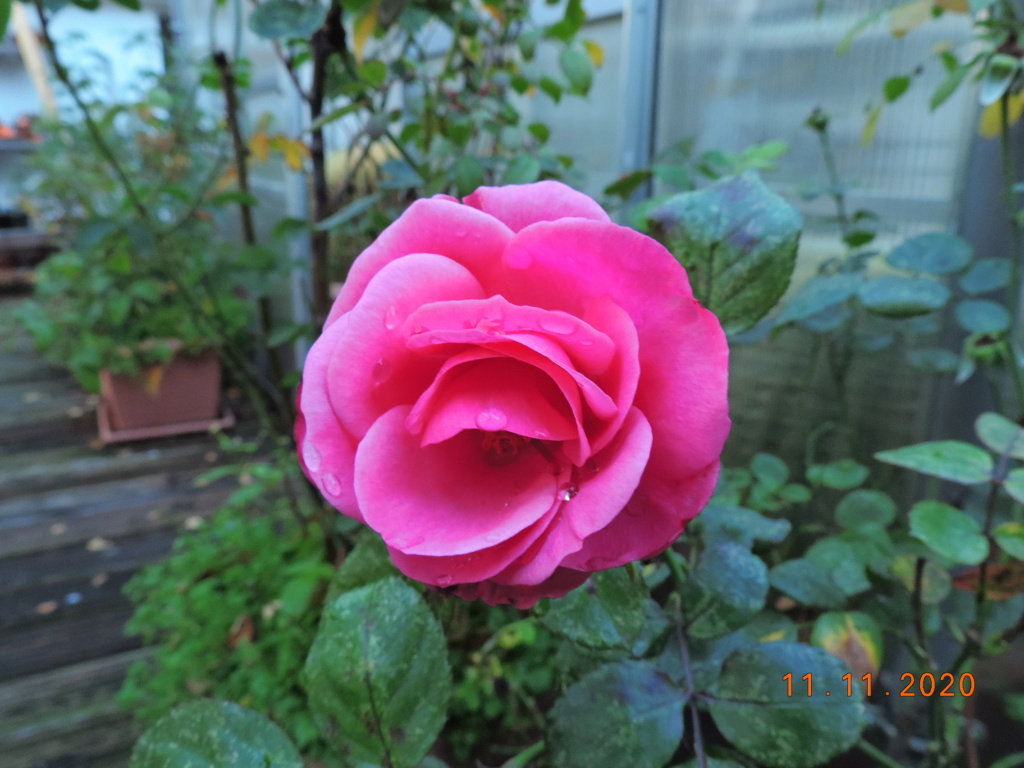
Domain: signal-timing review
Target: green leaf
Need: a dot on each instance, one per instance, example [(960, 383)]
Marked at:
[(986, 275), (719, 523), (620, 714), (5, 16), (982, 316), (1000, 434), (898, 296), (895, 87), (469, 175), (287, 18), (625, 186), (374, 72), (818, 294), (936, 253), (738, 241), (377, 674), (999, 73), (949, 532), (523, 169), (133, 5), (607, 612), (933, 360), (367, 563), (214, 734), (839, 559), (753, 711), (770, 470), (711, 762), (853, 637), (865, 507), (807, 582), (730, 586), (1014, 484), (351, 211), (577, 68), (951, 460), (949, 86), (935, 580), (841, 475), (1010, 538)]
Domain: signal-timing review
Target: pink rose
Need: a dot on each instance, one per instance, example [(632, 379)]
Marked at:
[(515, 392)]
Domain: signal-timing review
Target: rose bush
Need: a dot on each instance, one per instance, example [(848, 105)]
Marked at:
[(515, 392)]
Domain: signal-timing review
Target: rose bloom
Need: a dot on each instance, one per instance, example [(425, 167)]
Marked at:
[(515, 392)]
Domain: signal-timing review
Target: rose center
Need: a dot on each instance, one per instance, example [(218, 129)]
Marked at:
[(502, 447)]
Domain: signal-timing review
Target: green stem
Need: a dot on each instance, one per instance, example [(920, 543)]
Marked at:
[(525, 757), (675, 568), (876, 754), (1006, 147), (835, 182)]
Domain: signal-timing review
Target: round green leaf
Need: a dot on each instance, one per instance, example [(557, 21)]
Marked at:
[(841, 475), (1000, 434), (721, 522), (620, 714), (936, 253), (577, 68), (840, 560), (214, 734), (982, 316), (986, 275), (1014, 484), (949, 532), (469, 175), (731, 586), (1010, 538), (753, 710), (523, 169), (287, 18), (948, 459), (935, 580), (808, 582), (898, 296), (377, 674), (865, 507), (770, 470), (818, 294)]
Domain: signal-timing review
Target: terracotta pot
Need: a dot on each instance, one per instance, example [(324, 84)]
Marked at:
[(185, 390)]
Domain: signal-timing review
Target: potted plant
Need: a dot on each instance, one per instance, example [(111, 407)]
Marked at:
[(147, 292)]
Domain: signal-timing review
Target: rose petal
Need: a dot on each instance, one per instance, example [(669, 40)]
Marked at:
[(371, 369), (447, 498), (590, 350), (562, 581), (326, 450), (682, 350), (651, 521), (498, 394), (602, 494), (460, 232), (520, 205)]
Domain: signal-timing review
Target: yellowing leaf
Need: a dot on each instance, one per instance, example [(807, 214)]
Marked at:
[(227, 180), (956, 6), (495, 13), (259, 145), (853, 637), (1003, 580), (364, 29), (991, 123), (152, 378), (871, 125), (909, 16), (294, 151), (595, 52)]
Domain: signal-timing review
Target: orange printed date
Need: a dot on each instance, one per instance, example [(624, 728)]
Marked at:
[(926, 684)]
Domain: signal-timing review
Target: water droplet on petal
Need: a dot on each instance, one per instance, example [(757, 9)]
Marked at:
[(399, 544), (391, 317), (557, 323), (590, 468), (568, 492), (491, 420), (312, 457), (586, 342), (332, 485), (541, 434), (444, 580), (381, 372)]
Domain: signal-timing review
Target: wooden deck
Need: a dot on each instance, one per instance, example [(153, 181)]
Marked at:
[(76, 521)]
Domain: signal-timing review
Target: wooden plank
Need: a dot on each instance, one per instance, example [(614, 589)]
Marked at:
[(68, 713), (42, 605)]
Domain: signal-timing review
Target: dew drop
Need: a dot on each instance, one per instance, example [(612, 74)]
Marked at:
[(491, 420), (541, 434), (568, 492), (556, 323), (332, 485), (444, 580), (381, 372), (312, 457), (391, 317), (590, 468)]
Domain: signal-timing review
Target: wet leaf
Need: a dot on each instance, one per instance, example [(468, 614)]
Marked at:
[(729, 586), (949, 532), (951, 460)]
